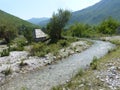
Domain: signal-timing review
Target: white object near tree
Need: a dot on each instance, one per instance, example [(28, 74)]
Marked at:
[(39, 35)]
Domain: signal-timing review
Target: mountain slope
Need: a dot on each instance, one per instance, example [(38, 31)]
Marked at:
[(97, 12), (43, 23), (8, 19)]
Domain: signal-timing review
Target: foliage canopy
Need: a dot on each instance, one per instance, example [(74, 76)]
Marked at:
[(57, 23)]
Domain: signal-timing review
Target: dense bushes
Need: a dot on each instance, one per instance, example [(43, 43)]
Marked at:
[(63, 43), (41, 49), (18, 44), (106, 27), (81, 30)]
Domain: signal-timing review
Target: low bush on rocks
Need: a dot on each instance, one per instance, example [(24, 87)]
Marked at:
[(17, 48), (93, 64), (63, 43), (39, 49), (18, 44), (5, 52), (79, 73)]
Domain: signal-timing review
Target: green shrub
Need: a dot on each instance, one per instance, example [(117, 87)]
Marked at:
[(79, 73), (39, 49), (108, 26), (39, 54), (93, 64), (63, 43), (54, 48), (19, 41), (18, 44), (5, 52), (17, 48), (72, 39)]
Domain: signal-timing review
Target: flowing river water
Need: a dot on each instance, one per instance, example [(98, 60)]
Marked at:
[(60, 72)]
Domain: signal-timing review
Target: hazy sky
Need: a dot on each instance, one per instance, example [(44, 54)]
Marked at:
[(27, 9)]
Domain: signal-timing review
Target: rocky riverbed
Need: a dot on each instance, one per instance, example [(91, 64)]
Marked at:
[(20, 61), (59, 72), (106, 75)]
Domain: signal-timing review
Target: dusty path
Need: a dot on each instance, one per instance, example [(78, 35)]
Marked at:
[(58, 73)]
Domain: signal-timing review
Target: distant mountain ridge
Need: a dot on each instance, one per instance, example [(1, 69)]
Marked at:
[(94, 14), (37, 20)]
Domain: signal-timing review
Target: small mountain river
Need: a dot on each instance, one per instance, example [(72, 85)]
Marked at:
[(59, 72)]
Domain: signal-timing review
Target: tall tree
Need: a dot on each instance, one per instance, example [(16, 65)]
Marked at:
[(57, 23), (8, 32)]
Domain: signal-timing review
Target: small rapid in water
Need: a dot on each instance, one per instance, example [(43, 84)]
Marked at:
[(60, 72)]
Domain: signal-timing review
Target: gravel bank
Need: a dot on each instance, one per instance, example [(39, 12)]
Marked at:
[(30, 63), (60, 72)]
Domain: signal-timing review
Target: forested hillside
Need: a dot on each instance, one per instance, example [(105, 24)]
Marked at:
[(98, 12)]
